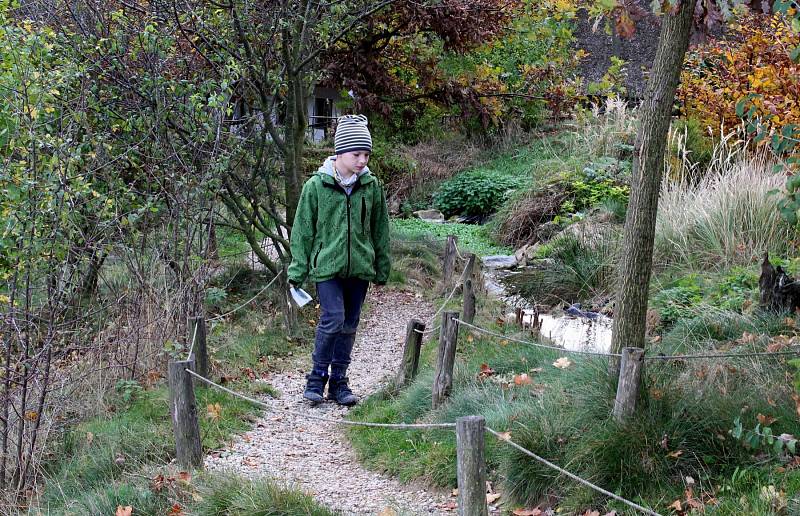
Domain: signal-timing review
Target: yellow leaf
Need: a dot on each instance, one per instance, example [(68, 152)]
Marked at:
[(214, 411), (562, 363)]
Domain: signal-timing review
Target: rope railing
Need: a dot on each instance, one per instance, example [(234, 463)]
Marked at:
[(345, 422), (573, 476), (647, 357), (218, 317), (536, 344)]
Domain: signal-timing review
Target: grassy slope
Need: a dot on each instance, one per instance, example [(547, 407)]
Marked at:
[(118, 457)]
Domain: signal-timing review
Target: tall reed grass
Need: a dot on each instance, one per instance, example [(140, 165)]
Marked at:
[(728, 217)]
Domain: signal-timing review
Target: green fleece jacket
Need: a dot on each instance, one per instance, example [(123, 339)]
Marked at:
[(340, 235)]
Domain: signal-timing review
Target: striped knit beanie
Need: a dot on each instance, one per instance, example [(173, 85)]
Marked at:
[(352, 134)]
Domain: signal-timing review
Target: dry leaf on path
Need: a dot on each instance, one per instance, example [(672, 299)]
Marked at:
[(175, 510), (562, 363), (124, 511), (387, 511), (676, 505), (185, 477), (675, 454)]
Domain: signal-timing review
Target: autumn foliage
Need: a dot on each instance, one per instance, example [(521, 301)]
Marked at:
[(753, 60)]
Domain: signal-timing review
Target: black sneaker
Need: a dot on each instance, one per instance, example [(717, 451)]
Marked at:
[(340, 392), (315, 385)]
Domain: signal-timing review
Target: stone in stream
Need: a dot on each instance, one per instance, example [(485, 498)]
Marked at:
[(430, 216), (499, 261)]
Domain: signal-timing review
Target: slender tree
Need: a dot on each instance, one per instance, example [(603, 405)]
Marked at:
[(648, 165)]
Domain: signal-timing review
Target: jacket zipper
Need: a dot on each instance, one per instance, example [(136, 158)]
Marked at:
[(363, 215), (348, 236)]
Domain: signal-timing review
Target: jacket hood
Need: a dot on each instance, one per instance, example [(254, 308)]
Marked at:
[(327, 168)]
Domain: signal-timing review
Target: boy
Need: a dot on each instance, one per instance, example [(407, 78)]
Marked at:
[(340, 240)]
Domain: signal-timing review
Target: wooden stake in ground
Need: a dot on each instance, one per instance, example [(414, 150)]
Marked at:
[(469, 301), (410, 363), (630, 375), (197, 342), (449, 263), (448, 337), (471, 466), (183, 410)]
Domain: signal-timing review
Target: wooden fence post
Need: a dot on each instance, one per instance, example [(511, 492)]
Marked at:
[(630, 373), (408, 367), (448, 337), (197, 332), (449, 262), (471, 466), (183, 409), (469, 301)]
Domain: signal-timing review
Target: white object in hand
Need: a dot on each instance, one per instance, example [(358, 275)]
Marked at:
[(300, 296)]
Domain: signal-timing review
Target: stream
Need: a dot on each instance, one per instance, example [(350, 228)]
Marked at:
[(575, 333)]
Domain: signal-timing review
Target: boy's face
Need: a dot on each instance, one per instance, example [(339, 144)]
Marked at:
[(352, 162)]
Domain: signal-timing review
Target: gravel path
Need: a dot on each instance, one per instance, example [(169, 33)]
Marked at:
[(316, 457)]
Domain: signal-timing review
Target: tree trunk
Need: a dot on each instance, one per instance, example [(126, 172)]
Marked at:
[(648, 164)]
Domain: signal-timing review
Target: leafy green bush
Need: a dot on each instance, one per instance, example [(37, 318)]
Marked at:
[(678, 302), (474, 193)]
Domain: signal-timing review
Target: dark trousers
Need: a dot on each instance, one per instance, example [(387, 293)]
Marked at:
[(340, 301)]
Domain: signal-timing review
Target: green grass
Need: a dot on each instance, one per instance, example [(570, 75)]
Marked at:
[(680, 429), (472, 238)]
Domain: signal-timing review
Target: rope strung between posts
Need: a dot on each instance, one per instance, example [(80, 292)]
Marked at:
[(571, 475), (724, 355), (398, 426), (652, 357), (249, 300), (536, 344)]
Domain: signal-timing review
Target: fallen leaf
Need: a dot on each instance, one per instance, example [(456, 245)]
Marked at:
[(591, 513), (747, 338), (250, 461), (124, 511), (676, 505), (470, 338), (562, 363), (656, 394), (522, 379), (89, 438), (506, 436), (214, 411), (765, 420), (31, 415), (527, 512), (485, 372), (185, 477), (675, 454), (492, 497), (504, 342), (454, 492), (176, 509), (387, 511)]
